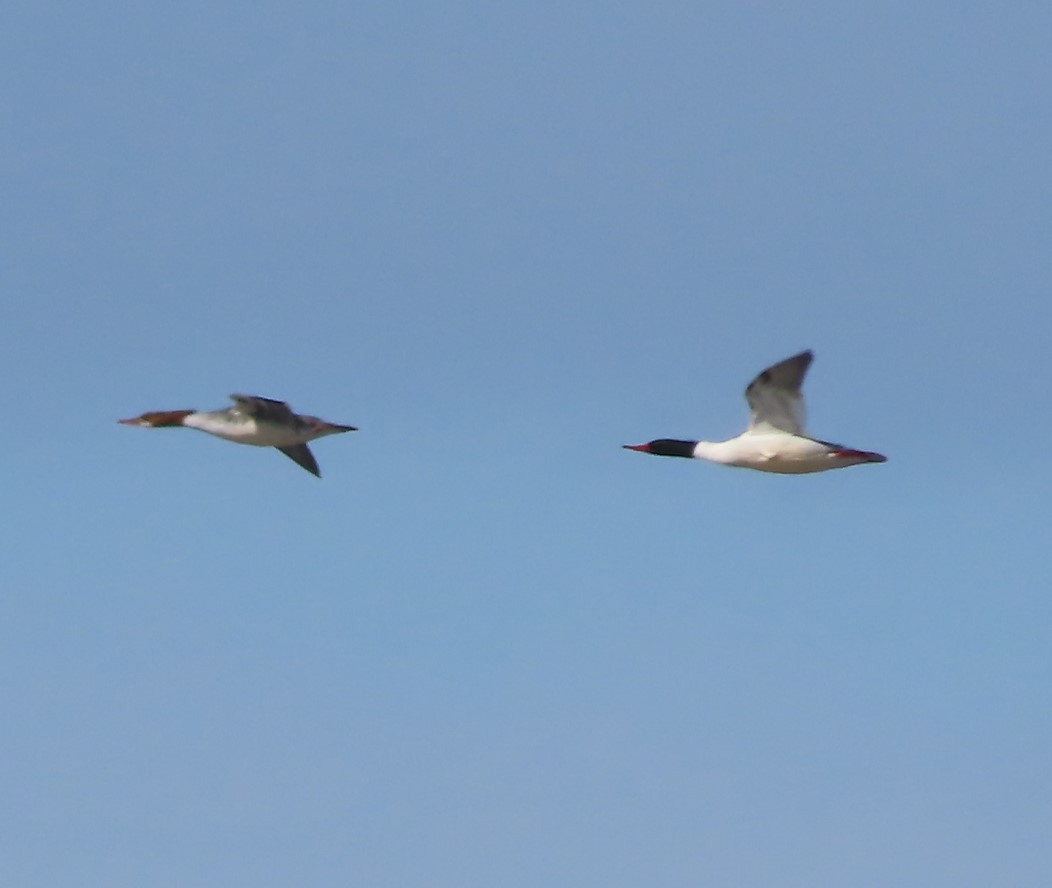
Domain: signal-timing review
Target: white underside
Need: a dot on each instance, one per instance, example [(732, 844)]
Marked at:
[(244, 430), (777, 452)]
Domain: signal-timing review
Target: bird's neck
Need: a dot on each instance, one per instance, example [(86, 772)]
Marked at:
[(213, 421), (169, 418), (713, 451)]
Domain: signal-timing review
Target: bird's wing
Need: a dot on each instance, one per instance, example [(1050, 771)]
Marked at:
[(301, 455), (774, 396), (266, 409)]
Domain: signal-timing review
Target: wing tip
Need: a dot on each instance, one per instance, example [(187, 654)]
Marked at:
[(302, 456)]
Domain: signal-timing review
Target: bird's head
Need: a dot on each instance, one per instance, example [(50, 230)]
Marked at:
[(665, 447), (158, 419)]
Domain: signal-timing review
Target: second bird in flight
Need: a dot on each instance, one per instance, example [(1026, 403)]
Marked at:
[(775, 439), (252, 420)]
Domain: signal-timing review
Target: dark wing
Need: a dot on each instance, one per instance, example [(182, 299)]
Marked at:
[(774, 396), (301, 455), (265, 409)]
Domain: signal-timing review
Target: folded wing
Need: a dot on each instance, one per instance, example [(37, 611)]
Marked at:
[(265, 409)]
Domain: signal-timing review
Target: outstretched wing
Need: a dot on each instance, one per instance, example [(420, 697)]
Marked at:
[(774, 396), (265, 409), (301, 455)]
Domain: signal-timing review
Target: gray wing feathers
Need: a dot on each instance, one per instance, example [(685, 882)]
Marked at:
[(774, 396), (301, 455), (266, 409)]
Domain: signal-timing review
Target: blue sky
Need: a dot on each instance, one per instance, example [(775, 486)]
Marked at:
[(491, 647)]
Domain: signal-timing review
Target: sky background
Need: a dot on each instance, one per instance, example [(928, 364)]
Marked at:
[(490, 647)]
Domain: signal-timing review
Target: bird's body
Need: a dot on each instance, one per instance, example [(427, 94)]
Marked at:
[(775, 440), (261, 422)]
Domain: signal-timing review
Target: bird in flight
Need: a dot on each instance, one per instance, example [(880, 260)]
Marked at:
[(775, 439), (261, 422)]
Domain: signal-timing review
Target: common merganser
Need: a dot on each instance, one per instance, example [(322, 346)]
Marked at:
[(261, 422), (775, 439)]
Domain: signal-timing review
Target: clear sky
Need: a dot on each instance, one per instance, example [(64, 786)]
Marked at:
[(490, 647)]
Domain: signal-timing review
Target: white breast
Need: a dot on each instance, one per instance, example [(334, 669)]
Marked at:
[(243, 429)]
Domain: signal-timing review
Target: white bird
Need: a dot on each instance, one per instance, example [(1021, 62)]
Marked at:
[(775, 439), (252, 420)]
